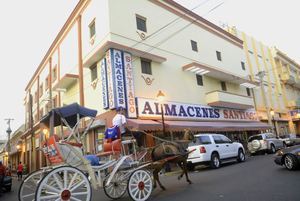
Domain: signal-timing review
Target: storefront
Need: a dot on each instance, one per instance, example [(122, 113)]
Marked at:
[(235, 123)]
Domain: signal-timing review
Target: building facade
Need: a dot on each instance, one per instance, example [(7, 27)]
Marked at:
[(114, 53), (279, 90)]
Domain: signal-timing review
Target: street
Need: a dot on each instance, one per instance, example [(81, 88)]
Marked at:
[(256, 179)]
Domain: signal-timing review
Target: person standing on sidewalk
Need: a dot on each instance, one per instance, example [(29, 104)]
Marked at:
[(2, 174), (20, 171)]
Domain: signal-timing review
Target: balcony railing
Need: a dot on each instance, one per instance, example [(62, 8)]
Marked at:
[(231, 100)]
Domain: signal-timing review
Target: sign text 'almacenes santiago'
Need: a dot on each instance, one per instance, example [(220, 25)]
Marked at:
[(149, 108)]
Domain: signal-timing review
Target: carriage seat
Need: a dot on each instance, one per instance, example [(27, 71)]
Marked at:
[(111, 148)]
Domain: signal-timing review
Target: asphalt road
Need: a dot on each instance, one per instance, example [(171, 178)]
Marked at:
[(257, 179)]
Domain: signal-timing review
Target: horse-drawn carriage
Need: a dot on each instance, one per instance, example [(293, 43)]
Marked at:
[(70, 175)]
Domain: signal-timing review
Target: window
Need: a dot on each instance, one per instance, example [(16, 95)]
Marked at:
[(92, 28), (93, 69), (146, 66), (54, 74), (141, 23), (223, 86), (199, 80), (41, 90), (219, 57), (194, 46), (243, 65), (200, 140), (217, 139), (225, 139), (248, 92)]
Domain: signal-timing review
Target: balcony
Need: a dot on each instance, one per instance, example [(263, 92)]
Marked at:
[(288, 79), (226, 99), (66, 81), (219, 74)]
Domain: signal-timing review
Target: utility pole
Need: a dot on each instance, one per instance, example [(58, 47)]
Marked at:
[(8, 131), (261, 75)]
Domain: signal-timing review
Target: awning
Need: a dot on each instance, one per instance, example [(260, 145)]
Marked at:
[(139, 124)]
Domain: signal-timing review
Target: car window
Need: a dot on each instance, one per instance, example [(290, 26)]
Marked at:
[(225, 139), (200, 140), (271, 136), (255, 137), (217, 139)]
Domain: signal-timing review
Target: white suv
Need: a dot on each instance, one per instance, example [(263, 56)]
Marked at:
[(211, 149)]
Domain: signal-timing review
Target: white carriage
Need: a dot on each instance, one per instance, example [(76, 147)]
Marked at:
[(70, 176)]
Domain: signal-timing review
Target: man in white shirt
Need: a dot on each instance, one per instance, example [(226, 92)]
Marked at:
[(120, 120)]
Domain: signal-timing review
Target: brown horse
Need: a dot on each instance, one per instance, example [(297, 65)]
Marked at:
[(171, 152)]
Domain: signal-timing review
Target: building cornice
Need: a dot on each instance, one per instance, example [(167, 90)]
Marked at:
[(187, 14)]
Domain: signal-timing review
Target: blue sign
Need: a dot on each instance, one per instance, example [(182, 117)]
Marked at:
[(118, 78), (104, 83)]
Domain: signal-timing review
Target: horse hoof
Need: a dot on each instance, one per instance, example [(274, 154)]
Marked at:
[(190, 182), (154, 186), (179, 177), (163, 188)]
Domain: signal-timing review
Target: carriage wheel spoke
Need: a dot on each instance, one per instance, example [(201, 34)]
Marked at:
[(76, 186), (80, 193), (47, 197), (25, 196), (72, 180), (65, 179), (57, 181), (51, 188)]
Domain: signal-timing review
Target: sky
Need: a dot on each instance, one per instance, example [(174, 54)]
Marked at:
[(29, 27)]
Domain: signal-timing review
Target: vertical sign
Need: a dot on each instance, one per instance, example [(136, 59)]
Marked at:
[(118, 78), (104, 83), (128, 73), (110, 83)]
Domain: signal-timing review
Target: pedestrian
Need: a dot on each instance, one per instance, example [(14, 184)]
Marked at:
[(120, 120), (20, 171), (2, 174)]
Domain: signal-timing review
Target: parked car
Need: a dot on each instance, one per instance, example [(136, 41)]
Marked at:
[(7, 183), (289, 157), (213, 149), (266, 142), (290, 139)]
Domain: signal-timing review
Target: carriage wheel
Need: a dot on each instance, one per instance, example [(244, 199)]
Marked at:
[(64, 183), (117, 186), (29, 185), (140, 185)]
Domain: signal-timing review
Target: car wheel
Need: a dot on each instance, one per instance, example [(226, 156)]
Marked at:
[(290, 162), (272, 149), (241, 156), (215, 161)]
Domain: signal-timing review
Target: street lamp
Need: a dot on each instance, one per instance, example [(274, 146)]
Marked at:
[(8, 131), (272, 112), (161, 96)]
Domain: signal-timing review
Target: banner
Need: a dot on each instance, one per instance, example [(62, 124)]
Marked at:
[(128, 73), (150, 109), (118, 78), (110, 83), (104, 83)]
